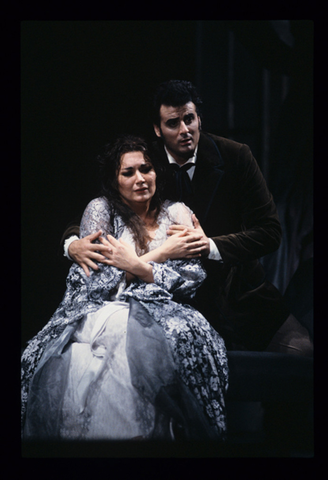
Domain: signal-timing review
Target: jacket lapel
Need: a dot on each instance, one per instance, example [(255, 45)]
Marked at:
[(207, 177)]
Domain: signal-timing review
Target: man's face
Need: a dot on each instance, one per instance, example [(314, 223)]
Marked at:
[(180, 130)]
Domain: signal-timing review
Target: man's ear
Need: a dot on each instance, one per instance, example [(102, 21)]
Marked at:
[(157, 130)]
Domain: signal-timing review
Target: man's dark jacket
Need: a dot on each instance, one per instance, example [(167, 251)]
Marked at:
[(235, 208)]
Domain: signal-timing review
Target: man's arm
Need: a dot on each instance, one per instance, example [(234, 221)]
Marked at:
[(261, 230)]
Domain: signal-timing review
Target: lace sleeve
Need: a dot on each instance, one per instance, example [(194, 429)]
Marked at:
[(96, 217)]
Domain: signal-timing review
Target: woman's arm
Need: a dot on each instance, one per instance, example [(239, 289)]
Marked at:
[(170, 273), (123, 256), (184, 242)]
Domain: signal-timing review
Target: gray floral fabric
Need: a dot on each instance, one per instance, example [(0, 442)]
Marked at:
[(198, 350)]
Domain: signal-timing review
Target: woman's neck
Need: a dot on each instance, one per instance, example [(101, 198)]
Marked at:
[(142, 210), (147, 217)]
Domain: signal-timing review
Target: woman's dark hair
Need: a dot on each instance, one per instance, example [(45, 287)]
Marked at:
[(110, 162), (174, 93)]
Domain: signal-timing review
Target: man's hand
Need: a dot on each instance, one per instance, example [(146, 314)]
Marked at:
[(196, 243), (84, 251)]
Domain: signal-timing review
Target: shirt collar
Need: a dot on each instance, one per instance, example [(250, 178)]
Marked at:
[(190, 160)]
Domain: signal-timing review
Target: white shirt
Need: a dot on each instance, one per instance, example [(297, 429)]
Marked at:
[(191, 160)]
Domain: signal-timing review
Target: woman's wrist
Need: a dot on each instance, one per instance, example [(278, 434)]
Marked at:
[(159, 255), (143, 270), (164, 255)]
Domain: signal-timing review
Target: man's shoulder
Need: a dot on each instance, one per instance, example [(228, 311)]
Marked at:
[(229, 151), (207, 138)]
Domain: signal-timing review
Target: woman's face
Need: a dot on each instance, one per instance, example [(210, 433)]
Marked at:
[(136, 179)]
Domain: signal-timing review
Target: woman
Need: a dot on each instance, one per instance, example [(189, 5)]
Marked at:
[(123, 357)]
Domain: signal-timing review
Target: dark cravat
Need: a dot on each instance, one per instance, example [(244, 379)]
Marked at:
[(183, 183)]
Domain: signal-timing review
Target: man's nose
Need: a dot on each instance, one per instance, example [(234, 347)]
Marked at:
[(183, 128)]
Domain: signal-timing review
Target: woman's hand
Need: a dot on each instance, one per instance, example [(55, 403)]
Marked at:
[(120, 254), (123, 256)]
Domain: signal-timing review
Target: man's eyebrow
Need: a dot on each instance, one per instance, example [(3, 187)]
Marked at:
[(172, 119)]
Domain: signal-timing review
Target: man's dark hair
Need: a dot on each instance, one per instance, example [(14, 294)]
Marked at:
[(174, 93)]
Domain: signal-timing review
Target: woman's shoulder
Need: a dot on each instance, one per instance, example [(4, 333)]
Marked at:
[(98, 202), (179, 212), (98, 206), (96, 216), (176, 206)]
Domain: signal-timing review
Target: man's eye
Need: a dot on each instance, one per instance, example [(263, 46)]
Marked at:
[(189, 119), (172, 124)]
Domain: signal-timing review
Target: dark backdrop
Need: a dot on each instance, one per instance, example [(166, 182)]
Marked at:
[(85, 82)]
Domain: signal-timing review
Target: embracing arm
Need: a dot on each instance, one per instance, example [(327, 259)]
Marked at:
[(259, 231), (85, 252)]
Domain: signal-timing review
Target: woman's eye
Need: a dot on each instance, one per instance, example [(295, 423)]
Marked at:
[(146, 169)]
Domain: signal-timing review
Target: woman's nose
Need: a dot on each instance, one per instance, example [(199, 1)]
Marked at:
[(140, 177)]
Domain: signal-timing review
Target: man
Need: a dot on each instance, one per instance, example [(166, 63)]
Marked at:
[(221, 182)]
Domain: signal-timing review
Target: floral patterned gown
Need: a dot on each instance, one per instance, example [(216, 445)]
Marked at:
[(122, 362)]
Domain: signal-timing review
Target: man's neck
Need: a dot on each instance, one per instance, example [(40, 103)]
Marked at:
[(180, 160)]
